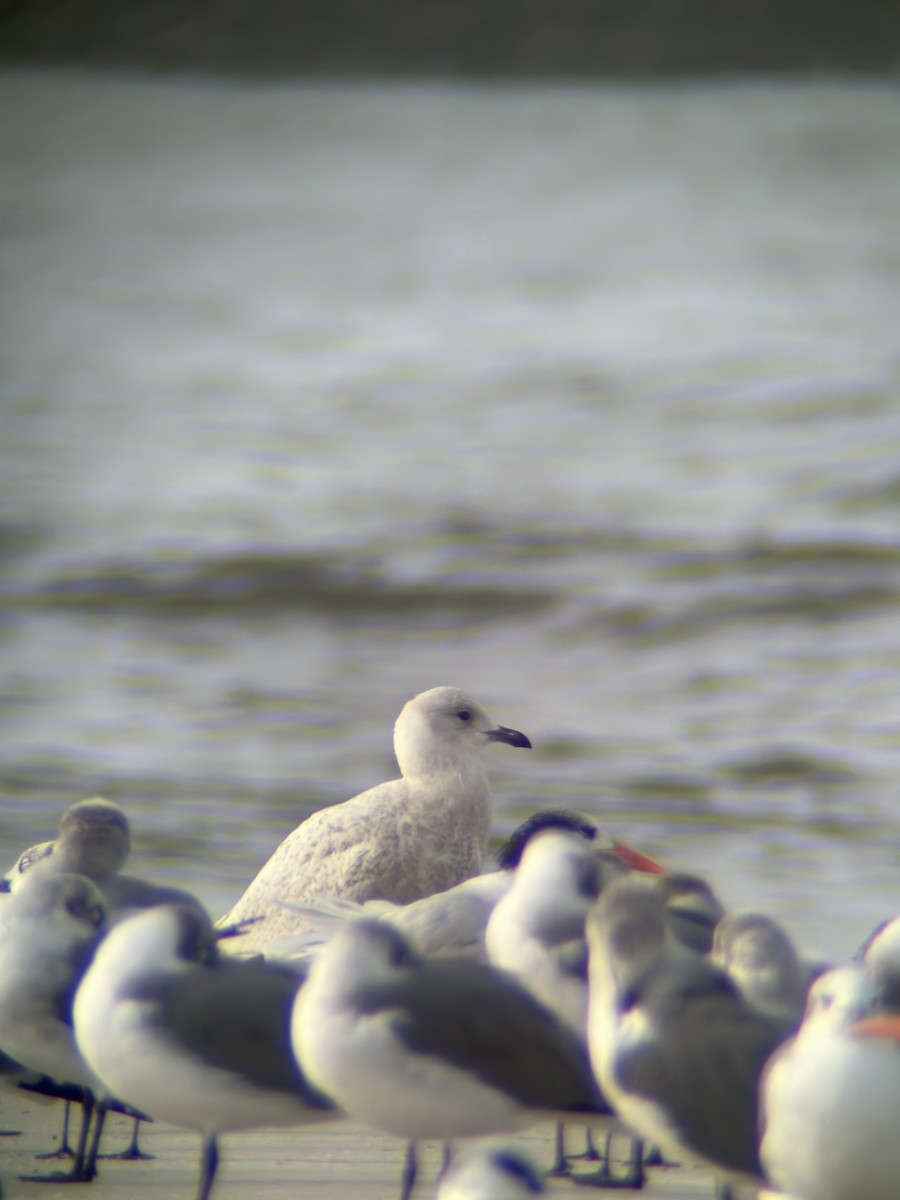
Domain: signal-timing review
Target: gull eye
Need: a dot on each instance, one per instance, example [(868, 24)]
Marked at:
[(464, 714)]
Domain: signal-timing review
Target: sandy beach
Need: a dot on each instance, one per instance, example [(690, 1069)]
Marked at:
[(335, 1161)]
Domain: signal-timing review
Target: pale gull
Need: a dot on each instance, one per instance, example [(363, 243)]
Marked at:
[(454, 921), (398, 841), (190, 1038)]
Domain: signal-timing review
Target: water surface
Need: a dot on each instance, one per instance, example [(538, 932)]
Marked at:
[(583, 398)]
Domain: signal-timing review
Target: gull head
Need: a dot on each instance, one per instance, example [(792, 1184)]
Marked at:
[(627, 932), (26, 860), (362, 952), (559, 864), (93, 838), (68, 901), (444, 729), (837, 999), (881, 958), (166, 938), (749, 942)]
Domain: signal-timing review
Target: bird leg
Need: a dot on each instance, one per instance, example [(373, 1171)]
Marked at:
[(209, 1161), (64, 1150), (410, 1169), (603, 1177), (590, 1152), (560, 1166), (133, 1152), (78, 1171), (654, 1157), (90, 1166)]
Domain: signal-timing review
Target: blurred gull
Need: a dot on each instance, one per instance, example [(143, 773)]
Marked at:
[(760, 957), (881, 957), (189, 1038), (432, 1048), (398, 841), (496, 1173), (830, 1097), (536, 931), (693, 910), (94, 840), (49, 929), (674, 1045)]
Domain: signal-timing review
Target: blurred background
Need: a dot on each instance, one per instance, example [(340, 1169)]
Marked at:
[(551, 351)]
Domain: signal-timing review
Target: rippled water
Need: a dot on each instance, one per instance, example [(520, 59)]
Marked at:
[(585, 399)]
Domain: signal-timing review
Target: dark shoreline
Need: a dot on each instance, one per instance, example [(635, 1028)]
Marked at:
[(517, 40)]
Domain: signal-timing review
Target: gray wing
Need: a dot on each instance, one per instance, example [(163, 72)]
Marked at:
[(572, 959), (127, 891), (237, 1017), (66, 973), (482, 1021), (693, 929), (557, 928), (704, 1068)]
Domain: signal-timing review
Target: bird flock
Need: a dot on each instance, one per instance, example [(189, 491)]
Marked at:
[(380, 967)]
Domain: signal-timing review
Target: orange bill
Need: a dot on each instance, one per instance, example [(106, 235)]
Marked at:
[(879, 1027), (637, 861)]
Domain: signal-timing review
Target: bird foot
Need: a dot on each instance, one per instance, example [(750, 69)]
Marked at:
[(654, 1157), (132, 1154), (60, 1177), (604, 1178), (586, 1156)]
